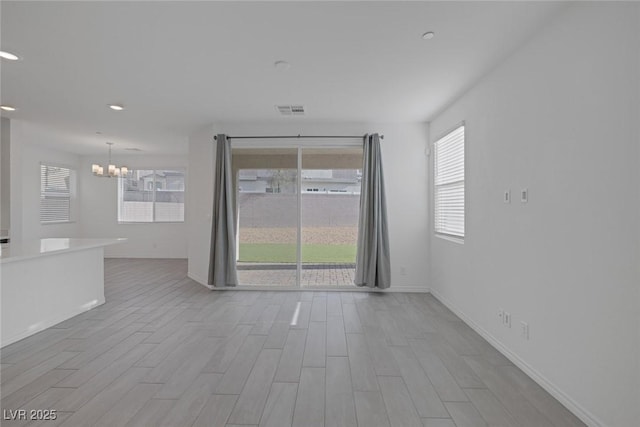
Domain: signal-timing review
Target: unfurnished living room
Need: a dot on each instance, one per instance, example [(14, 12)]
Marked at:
[(320, 214)]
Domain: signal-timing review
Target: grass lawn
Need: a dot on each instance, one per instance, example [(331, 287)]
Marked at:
[(278, 252)]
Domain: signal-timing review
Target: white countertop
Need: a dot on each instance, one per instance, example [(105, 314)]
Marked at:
[(18, 251)]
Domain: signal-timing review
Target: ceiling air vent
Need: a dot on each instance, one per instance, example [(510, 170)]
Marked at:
[(290, 110)]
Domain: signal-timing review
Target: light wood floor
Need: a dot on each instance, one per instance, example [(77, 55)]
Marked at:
[(164, 350)]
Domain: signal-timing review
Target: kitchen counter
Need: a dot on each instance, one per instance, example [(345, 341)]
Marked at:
[(19, 251), (44, 282)]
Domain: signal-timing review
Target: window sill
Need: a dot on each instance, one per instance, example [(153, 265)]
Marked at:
[(454, 239), (149, 222), (57, 222)]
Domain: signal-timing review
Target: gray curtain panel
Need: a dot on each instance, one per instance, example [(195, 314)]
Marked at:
[(373, 268), (222, 264)]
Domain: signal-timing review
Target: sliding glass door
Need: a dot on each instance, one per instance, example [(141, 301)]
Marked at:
[(297, 214), (267, 202), (330, 198)]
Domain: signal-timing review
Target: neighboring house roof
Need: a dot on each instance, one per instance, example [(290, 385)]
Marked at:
[(161, 175)]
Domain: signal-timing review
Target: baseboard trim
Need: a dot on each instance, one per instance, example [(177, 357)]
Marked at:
[(580, 412)]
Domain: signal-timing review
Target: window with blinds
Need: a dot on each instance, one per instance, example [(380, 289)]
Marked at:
[(449, 183), (55, 194), (151, 195)]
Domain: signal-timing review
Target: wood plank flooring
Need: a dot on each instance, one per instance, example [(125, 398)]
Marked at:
[(165, 351)]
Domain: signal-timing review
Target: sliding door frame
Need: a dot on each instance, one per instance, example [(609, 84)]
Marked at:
[(299, 146), (299, 219)]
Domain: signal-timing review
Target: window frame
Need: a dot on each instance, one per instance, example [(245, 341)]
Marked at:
[(440, 233), (71, 196), (182, 169)]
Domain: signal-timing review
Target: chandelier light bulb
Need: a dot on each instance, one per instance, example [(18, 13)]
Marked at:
[(111, 169)]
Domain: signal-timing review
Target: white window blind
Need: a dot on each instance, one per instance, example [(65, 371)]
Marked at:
[(151, 195), (55, 194), (449, 183)]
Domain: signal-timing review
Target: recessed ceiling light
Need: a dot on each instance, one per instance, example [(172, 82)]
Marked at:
[(428, 35), (8, 55), (282, 65), (116, 107), (8, 108)]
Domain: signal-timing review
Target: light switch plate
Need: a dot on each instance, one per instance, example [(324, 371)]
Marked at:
[(524, 195), (507, 196)]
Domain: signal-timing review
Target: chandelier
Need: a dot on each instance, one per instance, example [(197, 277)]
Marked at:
[(111, 169)]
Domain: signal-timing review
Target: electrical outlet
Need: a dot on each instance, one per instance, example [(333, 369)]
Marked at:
[(524, 195), (507, 196), (507, 319), (524, 330)]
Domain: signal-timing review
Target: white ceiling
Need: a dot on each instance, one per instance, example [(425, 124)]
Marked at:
[(178, 66)]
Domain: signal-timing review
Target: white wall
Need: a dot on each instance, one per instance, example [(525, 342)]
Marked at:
[(559, 117), (99, 201), (5, 176), (28, 149), (403, 152), (15, 184), (199, 209)]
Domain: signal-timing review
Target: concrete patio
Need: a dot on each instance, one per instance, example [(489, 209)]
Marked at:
[(313, 275)]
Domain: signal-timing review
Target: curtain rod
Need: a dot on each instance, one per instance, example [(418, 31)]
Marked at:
[(294, 136)]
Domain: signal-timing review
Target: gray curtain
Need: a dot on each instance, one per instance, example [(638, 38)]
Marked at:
[(372, 260), (222, 264)]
